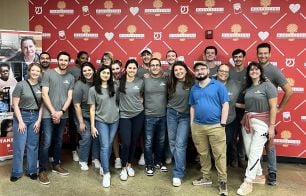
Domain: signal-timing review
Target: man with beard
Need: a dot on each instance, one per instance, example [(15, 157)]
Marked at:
[(57, 85), (208, 115), (44, 60)]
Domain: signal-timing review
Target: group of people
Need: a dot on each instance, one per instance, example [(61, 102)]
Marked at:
[(222, 107)]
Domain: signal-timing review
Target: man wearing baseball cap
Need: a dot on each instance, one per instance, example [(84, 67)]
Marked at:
[(146, 56)]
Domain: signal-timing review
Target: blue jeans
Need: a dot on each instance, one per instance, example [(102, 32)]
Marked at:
[(51, 132), (178, 131), (107, 132), (86, 142), (271, 158), (28, 139), (155, 130)]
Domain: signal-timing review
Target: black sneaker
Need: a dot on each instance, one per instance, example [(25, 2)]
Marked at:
[(223, 188), (272, 179), (14, 178), (32, 176), (150, 171)]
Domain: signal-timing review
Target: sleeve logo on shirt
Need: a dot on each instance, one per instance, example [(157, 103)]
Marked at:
[(136, 87)]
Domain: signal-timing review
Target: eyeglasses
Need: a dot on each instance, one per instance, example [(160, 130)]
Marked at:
[(223, 71), (106, 59)]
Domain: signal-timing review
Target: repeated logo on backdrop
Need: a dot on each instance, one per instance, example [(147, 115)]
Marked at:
[(125, 27)]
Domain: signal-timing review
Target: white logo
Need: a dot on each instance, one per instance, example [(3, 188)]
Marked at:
[(294, 7), (290, 62), (136, 87), (109, 35), (66, 82), (85, 10), (157, 35), (134, 10), (162, 84), (62, 35), (184, 9), (38, 10), (286, 116), (237, 8), (263, 35)]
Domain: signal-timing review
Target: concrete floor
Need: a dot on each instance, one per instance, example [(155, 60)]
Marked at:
[(291, 181)]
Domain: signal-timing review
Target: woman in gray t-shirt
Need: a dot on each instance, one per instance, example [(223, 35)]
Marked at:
[(104, 116), (26, 123), (257, 124), (178, 119), (80, 98), (131, 115)]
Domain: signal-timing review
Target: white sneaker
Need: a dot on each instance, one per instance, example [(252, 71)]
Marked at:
[(51, 160), (118, 163), (141, 160), (83, 166), (101, 171), (106, 180), (130, 171), (75, 156), (123, 174), (96, 163), (168, 160), (176, 182)]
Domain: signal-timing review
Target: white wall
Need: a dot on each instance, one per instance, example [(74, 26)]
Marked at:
[(14, 14)]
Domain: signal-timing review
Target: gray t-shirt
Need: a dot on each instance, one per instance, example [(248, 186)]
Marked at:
[(75, 71), (213, 71), (27, 100), (275, 75), (80, 95), (59, 85), (155, 96), (257, 97), (142, 71), (130, 103), (237, 76), (107, 109), (179, 100), (233, 89)]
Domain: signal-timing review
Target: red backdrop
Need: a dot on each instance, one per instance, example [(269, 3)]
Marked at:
[(125, 27)]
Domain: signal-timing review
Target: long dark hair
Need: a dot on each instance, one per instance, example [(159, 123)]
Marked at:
[(123, 78), (248, 79), (88, 64), (110, 82), (172, 81)]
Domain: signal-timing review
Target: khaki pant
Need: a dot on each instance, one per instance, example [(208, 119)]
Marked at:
[(211, 135)]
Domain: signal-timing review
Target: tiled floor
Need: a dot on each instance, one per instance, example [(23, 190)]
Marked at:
[(291, 181)]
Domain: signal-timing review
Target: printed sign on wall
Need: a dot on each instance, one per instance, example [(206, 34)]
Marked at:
[(125, 27)]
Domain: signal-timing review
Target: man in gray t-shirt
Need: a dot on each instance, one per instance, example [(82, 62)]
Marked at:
[(146, 56), (237, 74), (155, 102), (279, 80), (57, 86)]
